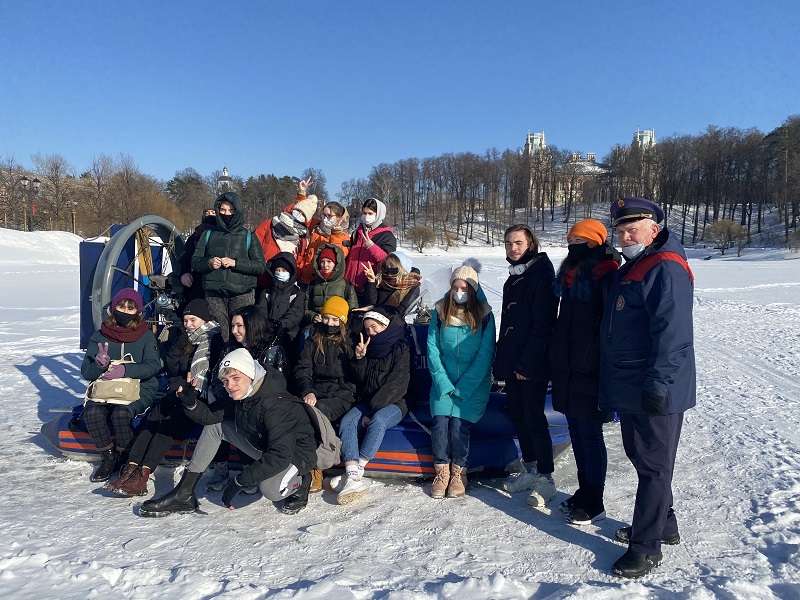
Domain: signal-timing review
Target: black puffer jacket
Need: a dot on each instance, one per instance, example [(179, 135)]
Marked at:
[(273, 422), (574, 347), (529, 313), (283, 301), (329, 377), (232, 242), (382, 379), (185, 260)]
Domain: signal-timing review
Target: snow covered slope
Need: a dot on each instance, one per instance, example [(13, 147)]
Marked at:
[(737, 480)]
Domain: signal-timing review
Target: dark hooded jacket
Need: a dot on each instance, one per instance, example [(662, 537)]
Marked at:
[(321, 289), (647, 344), (273, 422), (283, 301), (529, 313), (196, 291), (383, 375), (574, 347), (328, 376), (231, 241)]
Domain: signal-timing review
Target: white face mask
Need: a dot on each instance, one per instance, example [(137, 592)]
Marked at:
[(631, 252), (282, 275), (369, 219), (459, 297), (299, 216), (328, 222)]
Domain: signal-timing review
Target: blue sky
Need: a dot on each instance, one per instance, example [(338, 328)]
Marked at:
[(275, 87)]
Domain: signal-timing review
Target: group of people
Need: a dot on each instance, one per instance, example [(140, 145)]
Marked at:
[(611, 338)]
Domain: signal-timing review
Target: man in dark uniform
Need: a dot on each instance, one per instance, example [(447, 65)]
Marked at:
[(647, 371)]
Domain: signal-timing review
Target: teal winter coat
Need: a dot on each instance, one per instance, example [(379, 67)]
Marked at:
[(460, 362)]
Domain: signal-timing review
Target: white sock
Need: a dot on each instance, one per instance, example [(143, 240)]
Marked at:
[(351, 471), (362, 462)]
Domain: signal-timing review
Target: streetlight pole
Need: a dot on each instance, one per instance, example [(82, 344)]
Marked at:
[(26, 185)]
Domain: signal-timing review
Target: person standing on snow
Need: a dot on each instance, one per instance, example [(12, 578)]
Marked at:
[(461, 342), (529, 313), (647, 371), (191, 280), (229, 258), (574, 351)]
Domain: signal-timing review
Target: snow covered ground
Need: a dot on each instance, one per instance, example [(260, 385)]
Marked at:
[(737, 482)]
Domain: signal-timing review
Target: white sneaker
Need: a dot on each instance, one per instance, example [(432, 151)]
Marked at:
[(543, 491), (337, 482), (219, 477), (354, 489), (520, 482)]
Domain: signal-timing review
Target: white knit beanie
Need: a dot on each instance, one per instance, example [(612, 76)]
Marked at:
[(468, 271), (241, 360)]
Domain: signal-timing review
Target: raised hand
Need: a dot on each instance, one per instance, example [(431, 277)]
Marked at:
[(369, 272), (361, 347), (102, 359), (304, 184), (367, 242)]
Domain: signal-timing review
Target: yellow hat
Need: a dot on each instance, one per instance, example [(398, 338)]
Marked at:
[(336, 306)]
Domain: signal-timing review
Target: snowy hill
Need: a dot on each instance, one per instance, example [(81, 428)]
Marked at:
[(737, 480)]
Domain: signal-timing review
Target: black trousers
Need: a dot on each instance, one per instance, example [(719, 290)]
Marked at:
[(650, 444), (526, 399), (165, 421)]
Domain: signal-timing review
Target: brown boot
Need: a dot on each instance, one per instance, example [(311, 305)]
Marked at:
[(458, 482), (127, 472), (439, 485), (136, 485), (316, 481)]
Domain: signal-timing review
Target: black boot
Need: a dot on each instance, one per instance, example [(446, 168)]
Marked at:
[(108, 464), (179, 500), (635, 564), (670, 539), (299, 500), (591, 508)]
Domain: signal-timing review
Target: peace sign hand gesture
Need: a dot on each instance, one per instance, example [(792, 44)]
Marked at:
[(361, 347), (304, 184), (369, 272)]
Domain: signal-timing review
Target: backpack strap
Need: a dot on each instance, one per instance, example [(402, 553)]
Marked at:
[(642, 268)]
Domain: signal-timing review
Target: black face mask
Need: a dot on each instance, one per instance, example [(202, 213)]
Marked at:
[(210, 220), (578, 252), (327, 330), (122, 318), (226, 219)]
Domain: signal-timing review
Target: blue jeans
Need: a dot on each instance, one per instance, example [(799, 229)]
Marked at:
[(351, 425), (450, 440), (589, 449)]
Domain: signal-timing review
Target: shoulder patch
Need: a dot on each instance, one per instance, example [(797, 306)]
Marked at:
[(620, 303)]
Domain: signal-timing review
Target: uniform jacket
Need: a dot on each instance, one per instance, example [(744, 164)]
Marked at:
[(321, 289), (647, 343), (231, 242), (383, 244), (283, 301), (460, 362), (272, 423), (574, 347), (529, 313), (147, 364)]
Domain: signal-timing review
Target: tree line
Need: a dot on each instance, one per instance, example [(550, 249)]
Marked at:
[(737, 175)]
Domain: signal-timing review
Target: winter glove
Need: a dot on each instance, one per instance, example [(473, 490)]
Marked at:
[(653, 405), (115, 372), (233, 488), (102, 359), (188, 396), (174, 384)]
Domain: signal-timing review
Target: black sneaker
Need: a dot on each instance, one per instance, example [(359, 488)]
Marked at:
[(580, 516), (624, 535), (635, 564)]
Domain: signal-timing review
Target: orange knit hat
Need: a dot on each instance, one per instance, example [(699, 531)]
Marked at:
[(590, 230)]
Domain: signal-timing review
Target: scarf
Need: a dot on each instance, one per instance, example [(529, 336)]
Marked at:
[(400, 287), (200, 359), (284, 227), (123, 335), (381, 345)]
